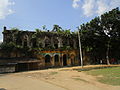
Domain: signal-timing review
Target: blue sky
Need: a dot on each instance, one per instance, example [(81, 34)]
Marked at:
[(32, 14)]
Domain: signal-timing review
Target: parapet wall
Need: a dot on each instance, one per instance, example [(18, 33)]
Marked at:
[(7, 69)]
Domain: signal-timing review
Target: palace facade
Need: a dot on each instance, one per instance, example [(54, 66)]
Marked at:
[(47, 49)]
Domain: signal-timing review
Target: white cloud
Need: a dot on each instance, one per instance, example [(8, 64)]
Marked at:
[(114, 4), (1, 40), (102, 7), (96, 7), (4, 8), (88, 7), (105, 5), (75, 3)]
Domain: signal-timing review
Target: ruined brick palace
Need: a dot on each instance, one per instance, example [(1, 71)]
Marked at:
[(49, 49)]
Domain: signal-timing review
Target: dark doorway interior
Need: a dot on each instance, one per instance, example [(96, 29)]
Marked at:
[(47, 59), (33, 66), (56, 58), (26, 66), (21, 67), (64, 60)]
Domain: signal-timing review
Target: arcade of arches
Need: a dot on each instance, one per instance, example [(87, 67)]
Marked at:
[(60, 59)]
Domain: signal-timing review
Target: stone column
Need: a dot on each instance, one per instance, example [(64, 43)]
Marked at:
[(60, 42), (74, 45), (52, 60), (61, 60), (52, 41)]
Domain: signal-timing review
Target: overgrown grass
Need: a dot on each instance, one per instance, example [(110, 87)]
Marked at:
[(92, 68), (110, 76)]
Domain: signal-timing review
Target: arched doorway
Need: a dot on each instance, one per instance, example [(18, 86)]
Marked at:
[(47, 61), (64, 60), (56, 59), (72, 59)]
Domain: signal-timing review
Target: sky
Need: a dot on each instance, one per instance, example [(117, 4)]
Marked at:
[(32, 14)]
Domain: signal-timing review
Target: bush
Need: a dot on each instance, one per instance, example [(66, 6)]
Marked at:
[(8, 47)]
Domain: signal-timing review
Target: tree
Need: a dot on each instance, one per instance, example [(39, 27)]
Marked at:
[(44, 27), (94, 38), (57, 28)]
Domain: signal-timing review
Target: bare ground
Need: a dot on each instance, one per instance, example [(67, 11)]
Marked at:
[(53, 79)]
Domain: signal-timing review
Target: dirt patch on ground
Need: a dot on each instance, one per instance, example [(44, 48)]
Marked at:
[(65, 78)]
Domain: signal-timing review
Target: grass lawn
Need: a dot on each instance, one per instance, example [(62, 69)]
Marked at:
[(109, 76)]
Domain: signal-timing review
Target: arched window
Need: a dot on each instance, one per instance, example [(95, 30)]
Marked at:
[(47, 42), (25, 39), (56, 43)]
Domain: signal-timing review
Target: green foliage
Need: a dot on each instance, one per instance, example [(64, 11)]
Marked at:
[(37, 34), (49, 47), (57, 28), (15, 29), (44, 27), (65, 48), (95, 41), (8, 47), (108, 75)]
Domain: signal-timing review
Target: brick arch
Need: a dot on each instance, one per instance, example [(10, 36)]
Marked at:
[(48, 61), (47, 58), (25, 39), (47, 42), (48, 54), (56, 41), (72, 57)]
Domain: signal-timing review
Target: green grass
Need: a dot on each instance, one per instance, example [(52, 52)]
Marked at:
[(109, 76)]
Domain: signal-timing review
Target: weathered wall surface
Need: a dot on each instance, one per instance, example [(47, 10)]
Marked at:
[(7, 69), (71, 58)]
